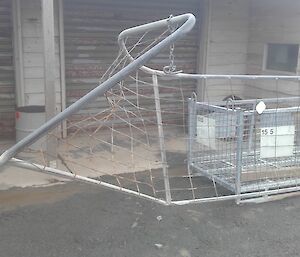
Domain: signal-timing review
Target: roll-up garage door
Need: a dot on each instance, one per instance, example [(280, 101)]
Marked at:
[(91, 31), (7, 84)]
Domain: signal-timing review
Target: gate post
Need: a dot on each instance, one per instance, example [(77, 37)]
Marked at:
[(239, 153), (49, 75), (161, 139)]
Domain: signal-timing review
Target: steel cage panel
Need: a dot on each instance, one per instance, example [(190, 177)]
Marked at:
[(244, 151)]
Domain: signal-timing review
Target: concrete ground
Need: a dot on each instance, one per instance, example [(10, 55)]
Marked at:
[(82, 220), (16, 177), (80, 161)]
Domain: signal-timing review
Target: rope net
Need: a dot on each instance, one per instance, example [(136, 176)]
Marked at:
[(146, 136), (116, 138)]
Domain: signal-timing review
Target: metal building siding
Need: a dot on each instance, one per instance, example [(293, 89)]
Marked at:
[(7, 83), (91, 31)]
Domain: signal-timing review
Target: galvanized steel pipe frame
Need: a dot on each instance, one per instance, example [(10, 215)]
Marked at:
[(181, 75), (187, 20)]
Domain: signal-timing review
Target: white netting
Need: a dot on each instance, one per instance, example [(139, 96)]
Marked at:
[(145, 135), (116, 138)]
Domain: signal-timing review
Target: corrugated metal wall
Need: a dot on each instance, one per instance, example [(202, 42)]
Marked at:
[(7, 83), (91, 30)]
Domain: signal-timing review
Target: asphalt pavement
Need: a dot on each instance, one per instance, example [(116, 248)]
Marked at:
[(73, 220)]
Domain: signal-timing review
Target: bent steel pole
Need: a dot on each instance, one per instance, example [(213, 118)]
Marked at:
[(187, 22)]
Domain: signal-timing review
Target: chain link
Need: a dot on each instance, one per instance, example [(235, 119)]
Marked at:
[(171, 68)]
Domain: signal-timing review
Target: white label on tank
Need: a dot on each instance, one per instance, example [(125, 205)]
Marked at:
[(206, 131), (277, 141)]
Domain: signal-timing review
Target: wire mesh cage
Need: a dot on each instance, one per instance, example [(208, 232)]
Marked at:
[(243, 148)]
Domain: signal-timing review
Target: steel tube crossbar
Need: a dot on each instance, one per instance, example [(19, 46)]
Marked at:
[(215, 76), (56, 172), (188, 22)]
